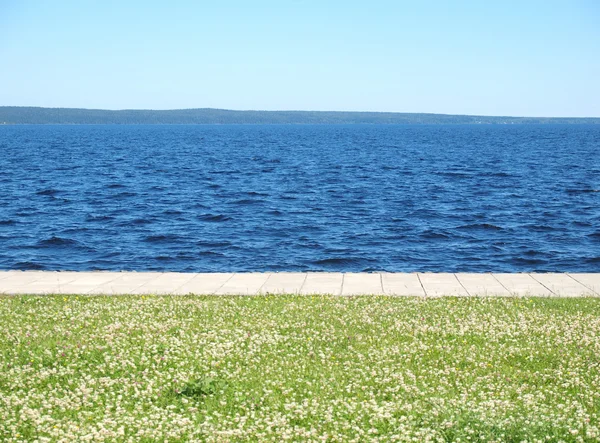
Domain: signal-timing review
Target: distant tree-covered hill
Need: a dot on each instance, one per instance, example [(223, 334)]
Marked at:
[(34, 115)]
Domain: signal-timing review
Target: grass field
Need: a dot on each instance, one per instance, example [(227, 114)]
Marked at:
[(300, 368)]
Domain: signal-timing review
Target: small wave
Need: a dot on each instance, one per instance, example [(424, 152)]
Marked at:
[(306, 244), (424, 213), (55, 241), (122, 195), (141, 221), (337, 262), (162, 238), (172, 212), (26, 214), (29, 266), (213, 218), (8, 222), (584, 224), (210, 254), (98, 218), (592, 259), (582, 191), (115, 186), (484, 226), (224, 172), (455, 174), (309, 228), (434, 234), (595, 235), (213, 244), (248, 201), (49, 192), (75, 230), (533, 252), (528, 261), (539, 228)]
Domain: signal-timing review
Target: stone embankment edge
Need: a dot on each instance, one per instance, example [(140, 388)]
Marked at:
[(334, 283)]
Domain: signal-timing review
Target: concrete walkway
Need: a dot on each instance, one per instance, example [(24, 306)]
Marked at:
[(414, 284)]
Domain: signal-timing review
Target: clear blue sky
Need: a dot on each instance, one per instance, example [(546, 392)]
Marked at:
[(528, 57)]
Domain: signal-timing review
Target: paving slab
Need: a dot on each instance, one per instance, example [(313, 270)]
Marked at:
[(204, 283), (6, 274), (126, 283), (284, 283), (95, 278), (436, 285), (562, 285), (323, 283), (56, 279), (164, 284), (590, 281), (522, 284), (88, 281), (11, 284), (482, 284), (243, 284), (362, 284), (37, 282), (417, 284), (402, 284), (23, 276)]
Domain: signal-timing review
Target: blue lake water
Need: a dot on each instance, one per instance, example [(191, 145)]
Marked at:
[(295, 198)]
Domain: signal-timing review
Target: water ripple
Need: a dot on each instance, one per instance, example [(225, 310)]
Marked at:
[(395, 198)]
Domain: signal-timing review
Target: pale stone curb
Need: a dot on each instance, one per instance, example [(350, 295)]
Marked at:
[(332, 283)]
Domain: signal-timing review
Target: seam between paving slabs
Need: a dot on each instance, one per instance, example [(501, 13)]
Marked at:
[(303, 282), (496, 278), (584, 285), (233, 274), (138, 287), (57, 282), (422, 287), (551, 291), (460, 283), (183, 284), (381, 283), (195, 275), (149, 281), (105, 283), (264, 283), (70, 281), (38, 278)]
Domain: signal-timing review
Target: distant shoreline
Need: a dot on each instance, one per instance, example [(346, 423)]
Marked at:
[(14, 115)]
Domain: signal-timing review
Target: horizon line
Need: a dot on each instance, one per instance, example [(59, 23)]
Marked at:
[(292, 110)]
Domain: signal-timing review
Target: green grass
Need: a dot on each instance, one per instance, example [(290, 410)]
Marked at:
[(299, 368)]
